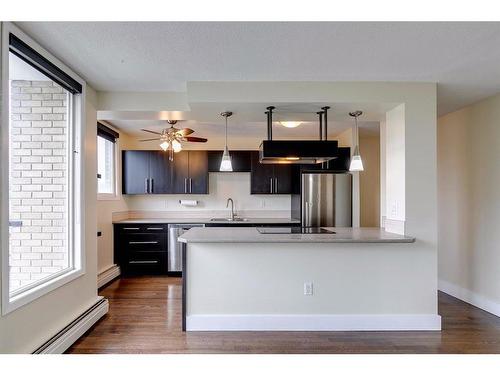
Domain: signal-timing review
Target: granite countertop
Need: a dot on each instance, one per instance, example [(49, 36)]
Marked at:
[(251, 235), (206, 220)]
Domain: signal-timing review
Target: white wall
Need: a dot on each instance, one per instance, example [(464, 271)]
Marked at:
[(469, 203), (105, 211), (395, 169)]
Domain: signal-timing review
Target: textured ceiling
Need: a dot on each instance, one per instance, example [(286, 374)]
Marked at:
[(462, 57)]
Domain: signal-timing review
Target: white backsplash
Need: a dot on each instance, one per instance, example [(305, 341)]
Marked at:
[(221, 187)]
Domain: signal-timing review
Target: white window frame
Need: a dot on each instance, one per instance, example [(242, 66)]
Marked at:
[(76, 180), (116, 153)]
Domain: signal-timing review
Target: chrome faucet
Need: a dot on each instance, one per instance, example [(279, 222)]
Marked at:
[(232, 207)]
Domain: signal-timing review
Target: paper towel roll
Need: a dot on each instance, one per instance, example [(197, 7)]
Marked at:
[(189, 203)]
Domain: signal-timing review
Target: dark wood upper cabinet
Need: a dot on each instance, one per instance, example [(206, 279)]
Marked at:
[(135, 176), (180, 173), (272, 178), (197, 172), (151, 172), (160, 173), (240, 160), (261, 176)]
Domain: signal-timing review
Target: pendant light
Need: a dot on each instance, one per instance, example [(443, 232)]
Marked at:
[(225, 164), (356, 162)]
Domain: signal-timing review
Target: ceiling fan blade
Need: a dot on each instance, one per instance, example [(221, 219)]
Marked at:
[(150, 131), (149, 139), (185, 131), (195, 139)]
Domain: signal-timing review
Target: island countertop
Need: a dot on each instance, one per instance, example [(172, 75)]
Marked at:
[(252, 235), (207, 220)]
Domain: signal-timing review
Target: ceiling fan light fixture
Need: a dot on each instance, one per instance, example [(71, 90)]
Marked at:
[(176, 145), (290, 124), (164, 145)]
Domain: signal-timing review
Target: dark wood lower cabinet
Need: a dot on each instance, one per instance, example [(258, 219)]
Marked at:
[(141, 249)]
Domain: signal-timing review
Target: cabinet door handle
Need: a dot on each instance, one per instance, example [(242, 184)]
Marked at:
[(152, 228), (271, 185), (152, 185), (190, 185), (143, 261), (185, 185), (141, 242), (276, 185), (146, 185), (130, 228)]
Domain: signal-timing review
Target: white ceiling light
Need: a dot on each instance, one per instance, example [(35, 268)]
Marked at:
[(356, 162), (164, 146), (290, 124), (225, 164), (176, 145)]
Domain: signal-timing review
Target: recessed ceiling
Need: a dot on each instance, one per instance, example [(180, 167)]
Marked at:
[(161, 56), (249, 119)]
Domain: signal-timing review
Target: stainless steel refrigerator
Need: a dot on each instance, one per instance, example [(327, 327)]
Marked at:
[(326, 200)]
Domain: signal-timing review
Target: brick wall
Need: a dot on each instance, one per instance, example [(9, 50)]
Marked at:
[(38, 186)]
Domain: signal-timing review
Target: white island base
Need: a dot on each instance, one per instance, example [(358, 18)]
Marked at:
[(361, 281)]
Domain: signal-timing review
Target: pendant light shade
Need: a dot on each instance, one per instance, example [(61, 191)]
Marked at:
[(226, 165), (356, 161)]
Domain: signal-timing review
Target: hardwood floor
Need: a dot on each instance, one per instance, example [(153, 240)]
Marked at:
[(145, 317)]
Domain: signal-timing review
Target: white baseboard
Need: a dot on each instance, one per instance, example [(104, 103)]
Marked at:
[(424, 322), (107, 275), (469, 296), (66, 337)]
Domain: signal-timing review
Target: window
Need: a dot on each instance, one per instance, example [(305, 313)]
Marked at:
[(106, 161), (44, 212)]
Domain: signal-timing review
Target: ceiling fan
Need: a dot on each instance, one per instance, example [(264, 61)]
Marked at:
[(172, 137)]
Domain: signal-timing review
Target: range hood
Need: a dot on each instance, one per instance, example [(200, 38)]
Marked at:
[(298, 151)]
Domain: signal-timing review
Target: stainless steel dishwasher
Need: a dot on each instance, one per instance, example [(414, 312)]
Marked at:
[(175, 247)]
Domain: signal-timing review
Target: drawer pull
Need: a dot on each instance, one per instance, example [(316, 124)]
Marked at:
[(130, 228), (143, 261), (154, 228), (142, 242)]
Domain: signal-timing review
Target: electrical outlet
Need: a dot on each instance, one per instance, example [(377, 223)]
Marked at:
[(308, 288)]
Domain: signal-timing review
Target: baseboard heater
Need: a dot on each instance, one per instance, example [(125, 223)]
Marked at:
[(69, 334)]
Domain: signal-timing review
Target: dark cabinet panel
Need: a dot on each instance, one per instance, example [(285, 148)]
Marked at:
[(198, 172), (261, 177), (282, 179), (241, 160), (160, 173), (135, 177), (180, 173)]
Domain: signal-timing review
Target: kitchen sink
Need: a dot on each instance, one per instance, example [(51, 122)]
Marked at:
[(226, 219)]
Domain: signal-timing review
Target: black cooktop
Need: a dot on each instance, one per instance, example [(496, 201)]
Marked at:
[(295, 230)]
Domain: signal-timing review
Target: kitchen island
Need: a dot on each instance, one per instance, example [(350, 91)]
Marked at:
[(353, 279)]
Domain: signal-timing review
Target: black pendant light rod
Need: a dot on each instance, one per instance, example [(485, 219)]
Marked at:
[(325, 115), (320, 114), (269, 114)]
